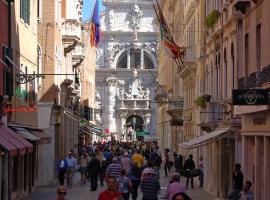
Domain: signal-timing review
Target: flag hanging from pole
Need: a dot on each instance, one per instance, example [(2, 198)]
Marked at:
[(166, 38), (95, 25)]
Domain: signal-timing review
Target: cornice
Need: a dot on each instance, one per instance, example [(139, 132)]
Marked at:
[(118, 5), (128, 34)]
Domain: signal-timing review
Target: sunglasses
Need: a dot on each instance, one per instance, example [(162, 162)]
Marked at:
[(62, 193)]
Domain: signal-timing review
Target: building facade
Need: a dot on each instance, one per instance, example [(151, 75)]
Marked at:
[(170, 93), (253, 72), (127, 69), (60, 56)]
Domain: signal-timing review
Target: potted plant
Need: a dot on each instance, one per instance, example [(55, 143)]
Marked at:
[(212, 19), (207, 97), (201, 101)]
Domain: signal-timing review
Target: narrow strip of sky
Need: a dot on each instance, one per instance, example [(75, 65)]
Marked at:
[(88, 6)]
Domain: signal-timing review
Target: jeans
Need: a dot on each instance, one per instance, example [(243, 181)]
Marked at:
[(61, 177), (201, 177), (189, 176), (134, 189), (94, 181)]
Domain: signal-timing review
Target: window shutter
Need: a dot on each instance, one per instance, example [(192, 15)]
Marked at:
[(28, 11)]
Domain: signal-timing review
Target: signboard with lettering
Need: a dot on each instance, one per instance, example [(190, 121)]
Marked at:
[(251, 97)]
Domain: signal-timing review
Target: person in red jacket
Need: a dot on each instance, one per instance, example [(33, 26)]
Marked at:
[(111, 192)]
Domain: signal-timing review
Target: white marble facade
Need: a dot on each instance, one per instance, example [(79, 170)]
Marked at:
[(126, 70)]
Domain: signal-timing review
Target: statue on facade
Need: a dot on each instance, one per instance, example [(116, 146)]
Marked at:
[(98, 98), (121, 93), (147, 94), (134, 17), (128, 94)]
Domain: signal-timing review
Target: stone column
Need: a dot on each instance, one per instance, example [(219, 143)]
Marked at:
[(147, 121), (123, 119), (110, 111), (142, 59), (128, 59)]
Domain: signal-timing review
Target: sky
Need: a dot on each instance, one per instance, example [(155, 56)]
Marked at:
[(88, 6)]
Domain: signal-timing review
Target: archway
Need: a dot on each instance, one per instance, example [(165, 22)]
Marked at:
[(134, 123), (135, 58)]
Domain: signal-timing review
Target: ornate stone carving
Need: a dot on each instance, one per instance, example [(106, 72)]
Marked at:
[(147, 94), (134, 17), (151, 47)]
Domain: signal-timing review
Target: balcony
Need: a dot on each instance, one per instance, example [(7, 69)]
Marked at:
[(212, 114), (175, 107), (161, 95), (71, 34), (134, 104), (77, 55), (256, 79), (242, 5)]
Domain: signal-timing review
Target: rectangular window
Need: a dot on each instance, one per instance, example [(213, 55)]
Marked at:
[(246, 54), (39, 9), (258, 46), (25, 11)]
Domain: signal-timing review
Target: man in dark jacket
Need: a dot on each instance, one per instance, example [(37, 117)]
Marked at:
[(94, 170), (238, 179), (189, 166)]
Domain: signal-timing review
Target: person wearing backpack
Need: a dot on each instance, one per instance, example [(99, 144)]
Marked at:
[(62, 170)]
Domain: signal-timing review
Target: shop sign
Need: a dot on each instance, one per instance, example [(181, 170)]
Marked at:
[(251, 97)]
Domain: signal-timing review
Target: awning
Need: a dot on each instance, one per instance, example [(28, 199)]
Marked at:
[(142, 133), (7, 136), (25, 133), (44, 138), (12, 150), (27, 144), (197, 141)]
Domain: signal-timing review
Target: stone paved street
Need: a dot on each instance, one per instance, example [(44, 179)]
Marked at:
[(81, 192)]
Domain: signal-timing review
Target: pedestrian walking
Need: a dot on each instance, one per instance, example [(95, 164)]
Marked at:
[(123, 184), (178, 162), (201, 175), (125, 162), (175, 186), (114, 169), (94, 170), (189, 166), (103, 166), (150, 185), (71, 168), (166, 161), (61, 193), (247, 193), (111, 192), (138, 158), (181, 196), (62, 170), (83, 168), (238, 182), (134, 176)]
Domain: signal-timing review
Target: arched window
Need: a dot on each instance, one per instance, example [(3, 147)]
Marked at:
[(135, 59), (122, 61)]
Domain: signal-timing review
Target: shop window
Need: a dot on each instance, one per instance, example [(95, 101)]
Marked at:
[(25, 11)]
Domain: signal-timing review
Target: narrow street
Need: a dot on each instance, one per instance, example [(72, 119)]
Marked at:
[(81, 192)]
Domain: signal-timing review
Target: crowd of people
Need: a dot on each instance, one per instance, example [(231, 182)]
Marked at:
[(127, 167)]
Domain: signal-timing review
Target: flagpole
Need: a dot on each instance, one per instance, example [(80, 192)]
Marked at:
[(175, 59)]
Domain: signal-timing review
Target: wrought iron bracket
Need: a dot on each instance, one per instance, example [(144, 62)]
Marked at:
[(25, 78)]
